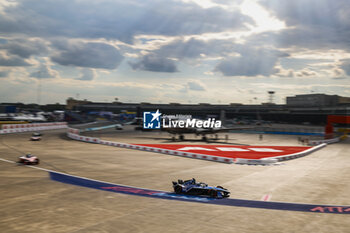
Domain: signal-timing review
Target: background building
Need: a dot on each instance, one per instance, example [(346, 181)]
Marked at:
[(317, 100), (310, 108)]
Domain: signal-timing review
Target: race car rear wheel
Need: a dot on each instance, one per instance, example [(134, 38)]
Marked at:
[(178, 189)]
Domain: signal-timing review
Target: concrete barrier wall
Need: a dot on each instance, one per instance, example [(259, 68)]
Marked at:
[(327, 141), (73, 131), (272, 160), (18, 128), (100, 128), (83, 138), (300, 154)]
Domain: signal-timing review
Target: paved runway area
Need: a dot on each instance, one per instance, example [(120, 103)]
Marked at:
[(31, 202)]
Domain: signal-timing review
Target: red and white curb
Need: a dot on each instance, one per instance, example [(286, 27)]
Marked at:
[(74, 134), (78, 137)]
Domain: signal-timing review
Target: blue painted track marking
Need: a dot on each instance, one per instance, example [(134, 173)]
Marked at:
[(100, 185)]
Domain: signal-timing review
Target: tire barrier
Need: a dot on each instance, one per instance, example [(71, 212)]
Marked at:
[(19, 128), (117, 188)]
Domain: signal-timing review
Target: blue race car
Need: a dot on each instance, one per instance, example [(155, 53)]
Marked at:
[(191, 187)]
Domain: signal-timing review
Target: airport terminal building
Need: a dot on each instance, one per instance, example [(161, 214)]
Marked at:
[(317, 100), (310, 108), (306, 109)]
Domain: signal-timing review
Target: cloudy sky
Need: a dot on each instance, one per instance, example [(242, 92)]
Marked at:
[(161, 51)]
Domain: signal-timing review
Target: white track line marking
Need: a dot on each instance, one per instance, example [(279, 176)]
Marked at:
[(8, 161), (48, 170)]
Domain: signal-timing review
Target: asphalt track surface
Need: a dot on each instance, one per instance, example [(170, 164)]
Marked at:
[(89, 183), (28, 196)]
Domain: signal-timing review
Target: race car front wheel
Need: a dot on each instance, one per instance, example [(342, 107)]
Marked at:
[(178, 189)]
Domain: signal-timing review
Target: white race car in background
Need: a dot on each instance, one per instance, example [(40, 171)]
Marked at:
[(28, 159), (118, 126), (36, 137)]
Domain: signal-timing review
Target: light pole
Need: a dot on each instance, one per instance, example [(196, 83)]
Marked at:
[(39, 88)]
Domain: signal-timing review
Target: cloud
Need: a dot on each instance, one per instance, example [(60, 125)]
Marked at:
[(306, 73), (345, 65), (315, 13), (116, 19), (44, 72), (87, 75), (24, 48), (239, 59), (12, 60), (155, 64), (195, 86), (236, 59), (285, 73), (312, 24), (194, 48), (165, 58), (306, 38), (92, 55), (252, 62), (181, 49), (4, 74), (227, 2), (192, 85)]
